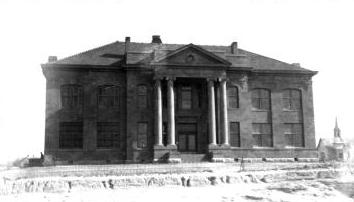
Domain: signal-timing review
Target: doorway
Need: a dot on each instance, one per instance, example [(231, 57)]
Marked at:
[(187, 137)]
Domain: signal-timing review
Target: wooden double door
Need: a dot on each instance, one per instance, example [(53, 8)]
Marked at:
[(187, 137)]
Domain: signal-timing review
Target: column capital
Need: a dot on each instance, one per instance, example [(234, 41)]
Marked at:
[(211, 79), (170, 78), (223, 79), (157, 77), (157, 83)]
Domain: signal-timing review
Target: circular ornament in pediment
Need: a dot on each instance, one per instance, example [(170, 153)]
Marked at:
[(190, 58)]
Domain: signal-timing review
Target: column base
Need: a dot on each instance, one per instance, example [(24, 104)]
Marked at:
[(166, 154), (222, 160), (220, 153), (174, 160)]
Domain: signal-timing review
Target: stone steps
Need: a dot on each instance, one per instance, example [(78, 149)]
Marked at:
[(192, 157)]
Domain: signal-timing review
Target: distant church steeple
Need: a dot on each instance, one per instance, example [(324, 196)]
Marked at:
[(337, 137), (337, 130)]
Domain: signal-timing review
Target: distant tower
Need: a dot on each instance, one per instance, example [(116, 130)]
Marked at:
[(337, 137)]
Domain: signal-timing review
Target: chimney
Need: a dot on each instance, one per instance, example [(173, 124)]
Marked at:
[(52, 58), (156, 39), (234, 48), (296, 64), (127, 43)]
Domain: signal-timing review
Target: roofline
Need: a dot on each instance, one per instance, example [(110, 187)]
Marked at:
[(304, 72), (55, 66)]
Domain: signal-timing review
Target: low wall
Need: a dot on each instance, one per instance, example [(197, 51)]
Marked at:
[(71, 184)]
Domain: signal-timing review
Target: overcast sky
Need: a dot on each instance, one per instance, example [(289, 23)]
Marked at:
[(317, 34)]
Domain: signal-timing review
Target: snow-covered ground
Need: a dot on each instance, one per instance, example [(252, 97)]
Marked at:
[(261, 182), (297, 191)]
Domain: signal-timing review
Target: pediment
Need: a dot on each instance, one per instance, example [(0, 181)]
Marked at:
[(191, 55)]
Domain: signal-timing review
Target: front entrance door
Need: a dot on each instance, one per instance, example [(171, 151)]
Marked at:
[(187, 137)]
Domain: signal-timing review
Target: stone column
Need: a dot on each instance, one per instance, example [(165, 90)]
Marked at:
[(171, 112), (158, 113), (224, 118), (212, 125)]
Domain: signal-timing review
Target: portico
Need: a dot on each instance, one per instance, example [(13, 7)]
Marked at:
[(199, 115)]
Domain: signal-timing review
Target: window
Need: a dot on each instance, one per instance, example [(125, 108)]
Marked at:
[(235, 134), (71, 96), (142, 97), (262, 134), (292, 99), (186, 97), (260, 99), (142, 134), (232, 92), (107, 134), (70, 135), (294, 134), (108, 96)]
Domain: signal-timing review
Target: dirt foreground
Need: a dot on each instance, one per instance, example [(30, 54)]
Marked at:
[(280, 191), (262, 182)]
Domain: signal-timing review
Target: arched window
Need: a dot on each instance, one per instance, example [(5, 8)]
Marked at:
[(260, 99), (71, 95), (292, 99), (232, 93), (108, 96), (142, 97)]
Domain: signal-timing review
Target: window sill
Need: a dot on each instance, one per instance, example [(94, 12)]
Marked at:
[(260, 110), (290, 110), (141, 148), (108, 108), (105, 149), (293, 147), (260, 147)]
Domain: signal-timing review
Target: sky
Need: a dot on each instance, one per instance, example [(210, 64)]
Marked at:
[(318, 34)]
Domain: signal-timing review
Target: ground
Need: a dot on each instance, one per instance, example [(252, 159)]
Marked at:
[(283, 191), (299, 184)]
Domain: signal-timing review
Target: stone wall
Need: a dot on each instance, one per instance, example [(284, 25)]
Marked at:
[(89, 113), (129, 115)]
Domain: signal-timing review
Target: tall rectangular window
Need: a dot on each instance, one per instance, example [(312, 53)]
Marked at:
[(71, 96), (294, 134), (142, 134), (262, 134), (232, 93), (107, 134), (70, 135), (142, 97), (186, 97), (108, 96), (235, 134)]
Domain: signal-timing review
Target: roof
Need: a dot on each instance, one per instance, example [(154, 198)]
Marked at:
[(114, 54)]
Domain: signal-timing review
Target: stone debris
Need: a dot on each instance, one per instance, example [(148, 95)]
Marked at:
[(76, 184)]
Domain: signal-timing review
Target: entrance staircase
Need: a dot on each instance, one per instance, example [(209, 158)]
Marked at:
[(193, 157)]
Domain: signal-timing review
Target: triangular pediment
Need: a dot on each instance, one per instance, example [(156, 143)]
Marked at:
[(191, 55)]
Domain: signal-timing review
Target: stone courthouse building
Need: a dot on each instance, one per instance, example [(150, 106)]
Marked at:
[(144, 102)]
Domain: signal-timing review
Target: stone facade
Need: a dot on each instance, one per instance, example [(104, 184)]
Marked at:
[(143, 102)]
